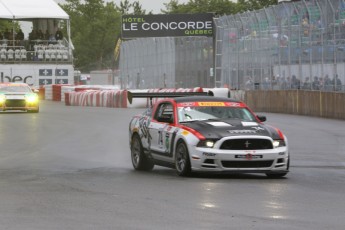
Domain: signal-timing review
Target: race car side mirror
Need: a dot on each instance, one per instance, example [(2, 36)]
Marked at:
[(261, 118)]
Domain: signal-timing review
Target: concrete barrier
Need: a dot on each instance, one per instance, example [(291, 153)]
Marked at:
[(299, 102)]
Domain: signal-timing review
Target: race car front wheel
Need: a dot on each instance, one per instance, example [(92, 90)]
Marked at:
[(182, 161), (139, 160)]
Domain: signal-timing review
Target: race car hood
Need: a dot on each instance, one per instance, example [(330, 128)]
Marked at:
[(15, 95), (216, 129)]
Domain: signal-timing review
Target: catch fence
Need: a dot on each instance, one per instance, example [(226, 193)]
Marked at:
[(293, 45)]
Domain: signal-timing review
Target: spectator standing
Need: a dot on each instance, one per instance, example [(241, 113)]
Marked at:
[(336, 82), (46, 35), (315, 84), (327, 83), (295, 82), (249, 85), (33, 35), (58, 34), (40, 35), (20, 38), (306, 84), (283, 83), (266, 84)]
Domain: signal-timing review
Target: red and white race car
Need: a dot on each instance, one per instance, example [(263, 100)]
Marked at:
[(205, 133)]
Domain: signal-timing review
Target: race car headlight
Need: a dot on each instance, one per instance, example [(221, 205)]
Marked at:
[(206, 143), (31, 98), (2, 99), (278, 143)]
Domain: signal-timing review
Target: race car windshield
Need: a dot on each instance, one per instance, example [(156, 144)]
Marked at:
[(16, 89), (186, 114)]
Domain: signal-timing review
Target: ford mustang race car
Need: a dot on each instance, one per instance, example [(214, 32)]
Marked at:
[(205, 133), (18, 96)]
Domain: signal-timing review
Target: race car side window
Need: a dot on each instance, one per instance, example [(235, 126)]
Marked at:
[(165, 113)]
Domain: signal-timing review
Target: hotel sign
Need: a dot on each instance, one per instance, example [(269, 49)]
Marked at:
[(167, 25)]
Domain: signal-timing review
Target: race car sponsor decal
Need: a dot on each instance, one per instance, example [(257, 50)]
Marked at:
[(160, 138), (249, 156), (144, 123), (211, 104), (246, 123), (172, 141), (186, 104), (218, 124), (185, 133), (233, 104), (257, 128), (167, 142), (209, 154), (242, 131)]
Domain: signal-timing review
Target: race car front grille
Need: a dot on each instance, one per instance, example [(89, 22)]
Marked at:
[(246, 144), (247, 164), (15, 103)]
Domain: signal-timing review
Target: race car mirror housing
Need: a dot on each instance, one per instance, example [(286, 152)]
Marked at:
[(261, 118)]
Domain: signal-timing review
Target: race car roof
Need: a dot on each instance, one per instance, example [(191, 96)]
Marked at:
[(30, 9)]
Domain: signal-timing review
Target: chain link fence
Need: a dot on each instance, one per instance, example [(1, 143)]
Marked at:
[(293, 45), (166, 62)]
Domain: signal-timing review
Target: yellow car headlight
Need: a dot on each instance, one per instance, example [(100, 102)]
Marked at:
[(2, 99), (31, 98)]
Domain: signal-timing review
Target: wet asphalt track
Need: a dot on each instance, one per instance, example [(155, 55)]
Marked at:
[(70, 168)]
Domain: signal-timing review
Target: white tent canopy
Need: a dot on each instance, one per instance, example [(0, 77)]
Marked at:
[(31, 9)]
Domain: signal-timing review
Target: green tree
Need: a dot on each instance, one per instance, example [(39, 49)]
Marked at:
[(220, 7), (250, 5), (134, 8), (8, 24), (95, 27)]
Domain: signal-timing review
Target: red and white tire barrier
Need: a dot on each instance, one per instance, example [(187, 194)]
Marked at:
[(97, 98), (112, 96)]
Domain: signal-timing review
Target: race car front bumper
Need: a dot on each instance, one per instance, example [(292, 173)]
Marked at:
[(274, 160)]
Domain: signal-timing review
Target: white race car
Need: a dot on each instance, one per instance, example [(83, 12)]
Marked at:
[(205, 133), (18, 96)]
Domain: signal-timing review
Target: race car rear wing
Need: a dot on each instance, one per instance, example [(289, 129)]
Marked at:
[(131, 95)]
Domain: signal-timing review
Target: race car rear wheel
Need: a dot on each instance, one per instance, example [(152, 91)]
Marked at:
[(182, 161), (139, 160)]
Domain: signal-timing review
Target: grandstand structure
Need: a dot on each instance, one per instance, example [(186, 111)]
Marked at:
[(35, 60), (292, 45)]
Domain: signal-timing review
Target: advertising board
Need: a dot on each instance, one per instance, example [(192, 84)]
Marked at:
[(37, 75), (167, 25)]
